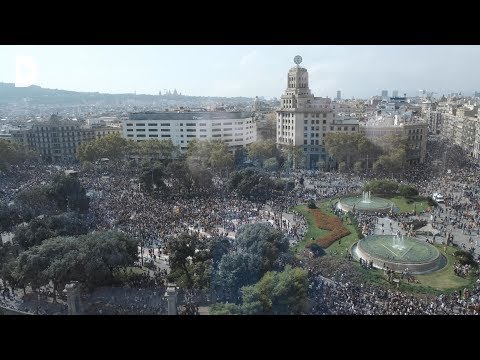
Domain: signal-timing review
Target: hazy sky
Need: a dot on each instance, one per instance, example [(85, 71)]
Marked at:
[(242, 70)]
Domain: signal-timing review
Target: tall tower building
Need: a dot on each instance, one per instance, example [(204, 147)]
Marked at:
[(304, 120), (339, 94), (384, 94), (395, 93)]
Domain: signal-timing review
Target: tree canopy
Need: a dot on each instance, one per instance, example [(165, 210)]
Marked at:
[(111, 146), (351, 149), (90, 259), (12, 153), (68, 193), (42, 228)]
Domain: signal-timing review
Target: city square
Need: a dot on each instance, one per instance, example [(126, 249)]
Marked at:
[(322, 206)]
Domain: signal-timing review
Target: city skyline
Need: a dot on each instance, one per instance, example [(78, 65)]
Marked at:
[(243, 70)]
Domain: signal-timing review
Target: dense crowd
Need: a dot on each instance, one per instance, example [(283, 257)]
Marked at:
[(118, 201), (335, 298)]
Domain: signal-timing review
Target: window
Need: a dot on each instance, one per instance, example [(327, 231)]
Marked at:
[(305, 122), (213, 130), (165, 124), (152, 124), (153, 135), (155, 130), (317, 122), (216, 135), (129, 129), (140, 129), (312, 142), (129, 135), (164, 129), (165, 135), (190, 124), (203, 130), (129, 124), (229, 123), (305, 142), (331, 128), (345, 128), (305, 135), (227, 129), (202, 124), (353, 128), (140, 124), (141, 135), (324, 116), (339, 128), (190, 136), (313, 128), (202, 136), (190, 130)]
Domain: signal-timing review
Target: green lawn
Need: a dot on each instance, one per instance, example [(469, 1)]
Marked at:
[(313, 230), (443, 281), (436, 283), (401, 203), (338, 248)]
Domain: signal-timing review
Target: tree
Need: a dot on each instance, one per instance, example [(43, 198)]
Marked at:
[(266, 242), (351, 148), (152, 175), (212, 154), (278, 293), (12, 153), (252, 184), (180, 178), (295, 156), (68, 193), (158, 149), (36, 201), (236, 270), (42, 228), (407, 190), (225, 309), (261, 150), (381, 187), (271, 164), (91, 259), (111, 146), (184, 260), (358, 166), (395, 154)]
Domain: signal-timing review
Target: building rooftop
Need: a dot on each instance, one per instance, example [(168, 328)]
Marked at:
[(188, 115)]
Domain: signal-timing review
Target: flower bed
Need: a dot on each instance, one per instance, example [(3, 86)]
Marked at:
[(330, 223)]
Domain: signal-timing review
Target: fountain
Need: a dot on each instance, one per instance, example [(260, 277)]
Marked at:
[(365, 203), (398, 242), (366, 197), (399, 252)]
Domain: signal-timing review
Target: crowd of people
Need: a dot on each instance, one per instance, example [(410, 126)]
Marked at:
[(118, 201), (335, 298)]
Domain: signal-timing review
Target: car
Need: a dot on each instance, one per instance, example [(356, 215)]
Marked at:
[(438, 197)]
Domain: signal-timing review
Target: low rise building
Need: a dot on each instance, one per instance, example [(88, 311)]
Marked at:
[(236, 128)]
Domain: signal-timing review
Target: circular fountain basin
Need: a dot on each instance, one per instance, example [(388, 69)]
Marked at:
[(398, 254), (374, 204)]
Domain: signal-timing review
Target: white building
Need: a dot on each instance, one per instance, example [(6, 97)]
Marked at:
[(237, 129), (304, 120)]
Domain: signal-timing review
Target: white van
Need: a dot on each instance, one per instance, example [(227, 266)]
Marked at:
[(438, 197)]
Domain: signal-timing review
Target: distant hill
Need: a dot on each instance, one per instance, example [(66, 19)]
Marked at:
[(37, 95)]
